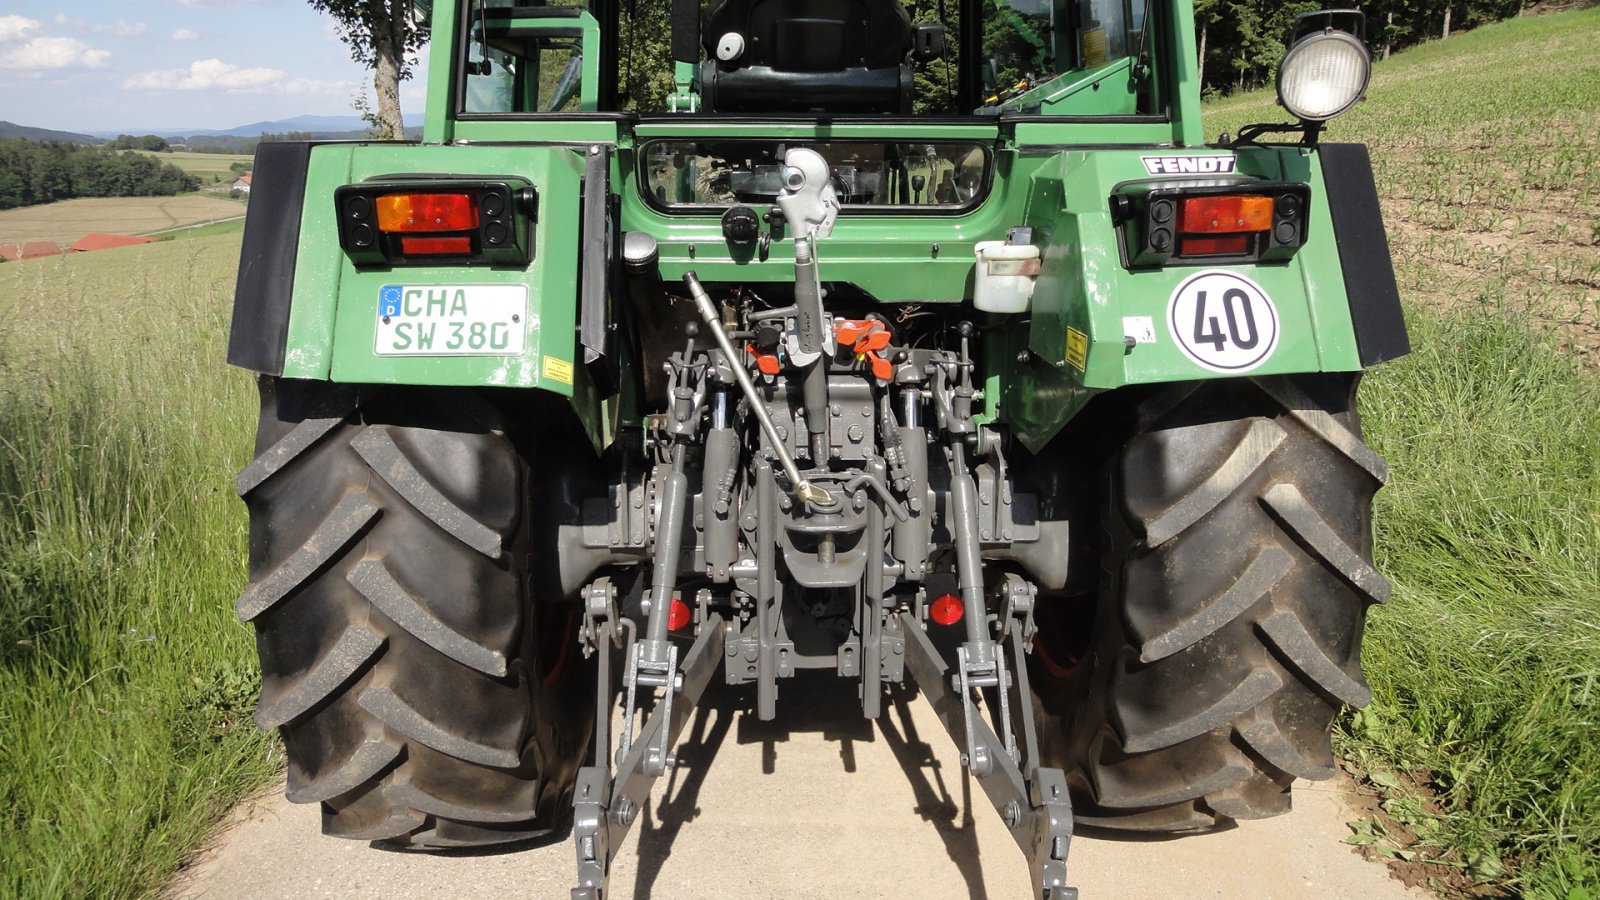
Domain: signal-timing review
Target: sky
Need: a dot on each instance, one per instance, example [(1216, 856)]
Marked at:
[(170, 66)]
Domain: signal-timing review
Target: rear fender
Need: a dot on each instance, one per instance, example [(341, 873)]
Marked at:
[(1099, 325), (303, 309)]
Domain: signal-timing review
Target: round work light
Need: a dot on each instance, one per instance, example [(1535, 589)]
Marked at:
[(1323, 75)]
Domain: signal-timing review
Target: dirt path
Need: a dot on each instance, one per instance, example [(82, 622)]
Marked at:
[(822, 805)]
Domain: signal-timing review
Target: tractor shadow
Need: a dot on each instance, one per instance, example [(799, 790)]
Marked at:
[(811, 704)]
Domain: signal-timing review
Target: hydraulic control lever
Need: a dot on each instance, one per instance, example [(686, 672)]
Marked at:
[(804, 490)]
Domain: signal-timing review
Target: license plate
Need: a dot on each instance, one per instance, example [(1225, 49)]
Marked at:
[(452, 320)]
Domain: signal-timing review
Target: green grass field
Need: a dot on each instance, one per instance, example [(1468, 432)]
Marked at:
[(126, 685), (1486, 666)]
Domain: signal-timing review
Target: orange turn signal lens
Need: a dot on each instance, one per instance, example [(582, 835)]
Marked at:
[(1226, 214), (426, 212)]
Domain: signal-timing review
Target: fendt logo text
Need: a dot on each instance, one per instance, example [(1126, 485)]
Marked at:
[(1188, 165)]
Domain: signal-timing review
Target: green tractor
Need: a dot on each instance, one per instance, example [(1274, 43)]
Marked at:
[(927, 344)]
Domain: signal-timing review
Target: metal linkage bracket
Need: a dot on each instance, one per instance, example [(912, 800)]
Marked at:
[(1035, 807), (606, 804)]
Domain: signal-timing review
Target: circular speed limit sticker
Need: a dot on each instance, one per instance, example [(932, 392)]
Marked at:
[(1223, 321)]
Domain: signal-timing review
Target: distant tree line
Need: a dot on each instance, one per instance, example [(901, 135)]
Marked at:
[(150, 142), (33, 172)]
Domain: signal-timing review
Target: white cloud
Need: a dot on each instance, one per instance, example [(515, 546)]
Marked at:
[(186, 34), (209, 74), (125, 29), (53, 53), (16, 28)]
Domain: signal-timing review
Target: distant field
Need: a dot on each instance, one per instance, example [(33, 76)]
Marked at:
[(69, 220), (204, 165)]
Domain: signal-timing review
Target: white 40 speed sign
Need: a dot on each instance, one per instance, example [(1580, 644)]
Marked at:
[(1223, 321)]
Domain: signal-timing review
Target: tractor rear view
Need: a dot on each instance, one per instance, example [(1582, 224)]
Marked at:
[(924, 344)]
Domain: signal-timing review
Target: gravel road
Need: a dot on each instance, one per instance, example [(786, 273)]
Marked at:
[(820, 804)]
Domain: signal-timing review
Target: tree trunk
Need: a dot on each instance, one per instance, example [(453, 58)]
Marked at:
[(1388, 34), (1446, 22), (388, 58), (1202, 79)]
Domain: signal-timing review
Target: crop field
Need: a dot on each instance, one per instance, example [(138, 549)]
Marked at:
[(1484, 737), (68, 220), (204, 165), (126, 685)]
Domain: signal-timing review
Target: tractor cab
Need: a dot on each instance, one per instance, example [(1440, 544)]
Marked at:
[(804, 59)]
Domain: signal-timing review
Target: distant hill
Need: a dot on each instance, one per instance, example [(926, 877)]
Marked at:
[(321, 126), (12, 130), (235, 144)]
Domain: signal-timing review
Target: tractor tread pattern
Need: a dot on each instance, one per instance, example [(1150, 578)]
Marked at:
[(1140, 735), (1239, 572), (1289, 635), (1291, 508), (1261, 575), (377, 446), (407, 794), (371, 758), (1259, 442), (289, 447), (392, 604), (354, 649), (348, 519), (387, 706), (375, 582), (1266, 738)]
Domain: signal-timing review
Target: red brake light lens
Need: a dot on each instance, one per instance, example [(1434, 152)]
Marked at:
[(1221, 245), (426, 213), (436, 246), (1226, 214)]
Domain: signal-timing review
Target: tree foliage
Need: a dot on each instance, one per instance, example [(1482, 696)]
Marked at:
[(146, 142), (380, 34), (1242, 41), (33, 172)]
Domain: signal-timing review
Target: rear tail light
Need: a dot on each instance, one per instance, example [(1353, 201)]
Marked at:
[(1180, 224), (1225, 214), (410, 213), (395, 222)]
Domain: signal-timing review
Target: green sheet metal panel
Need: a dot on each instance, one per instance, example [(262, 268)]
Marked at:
[(332, 329)]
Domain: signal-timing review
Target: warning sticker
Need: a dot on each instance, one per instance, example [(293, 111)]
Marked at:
[(1077, 348), (1223, 321), (557, 370)]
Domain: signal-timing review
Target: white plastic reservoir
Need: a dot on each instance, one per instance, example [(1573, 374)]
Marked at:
[(1006, 274)]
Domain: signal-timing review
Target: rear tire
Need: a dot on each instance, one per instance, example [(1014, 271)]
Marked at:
[(401, 649), (1237, 571)]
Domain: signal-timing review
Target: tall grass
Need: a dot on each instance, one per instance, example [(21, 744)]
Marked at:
[(1486, 664), (125, 683)]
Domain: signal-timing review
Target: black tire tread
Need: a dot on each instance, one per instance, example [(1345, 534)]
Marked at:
[(1238, 571), (392, 604)]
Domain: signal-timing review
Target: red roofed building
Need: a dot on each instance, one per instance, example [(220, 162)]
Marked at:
[(107, 241), (29, 250)]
